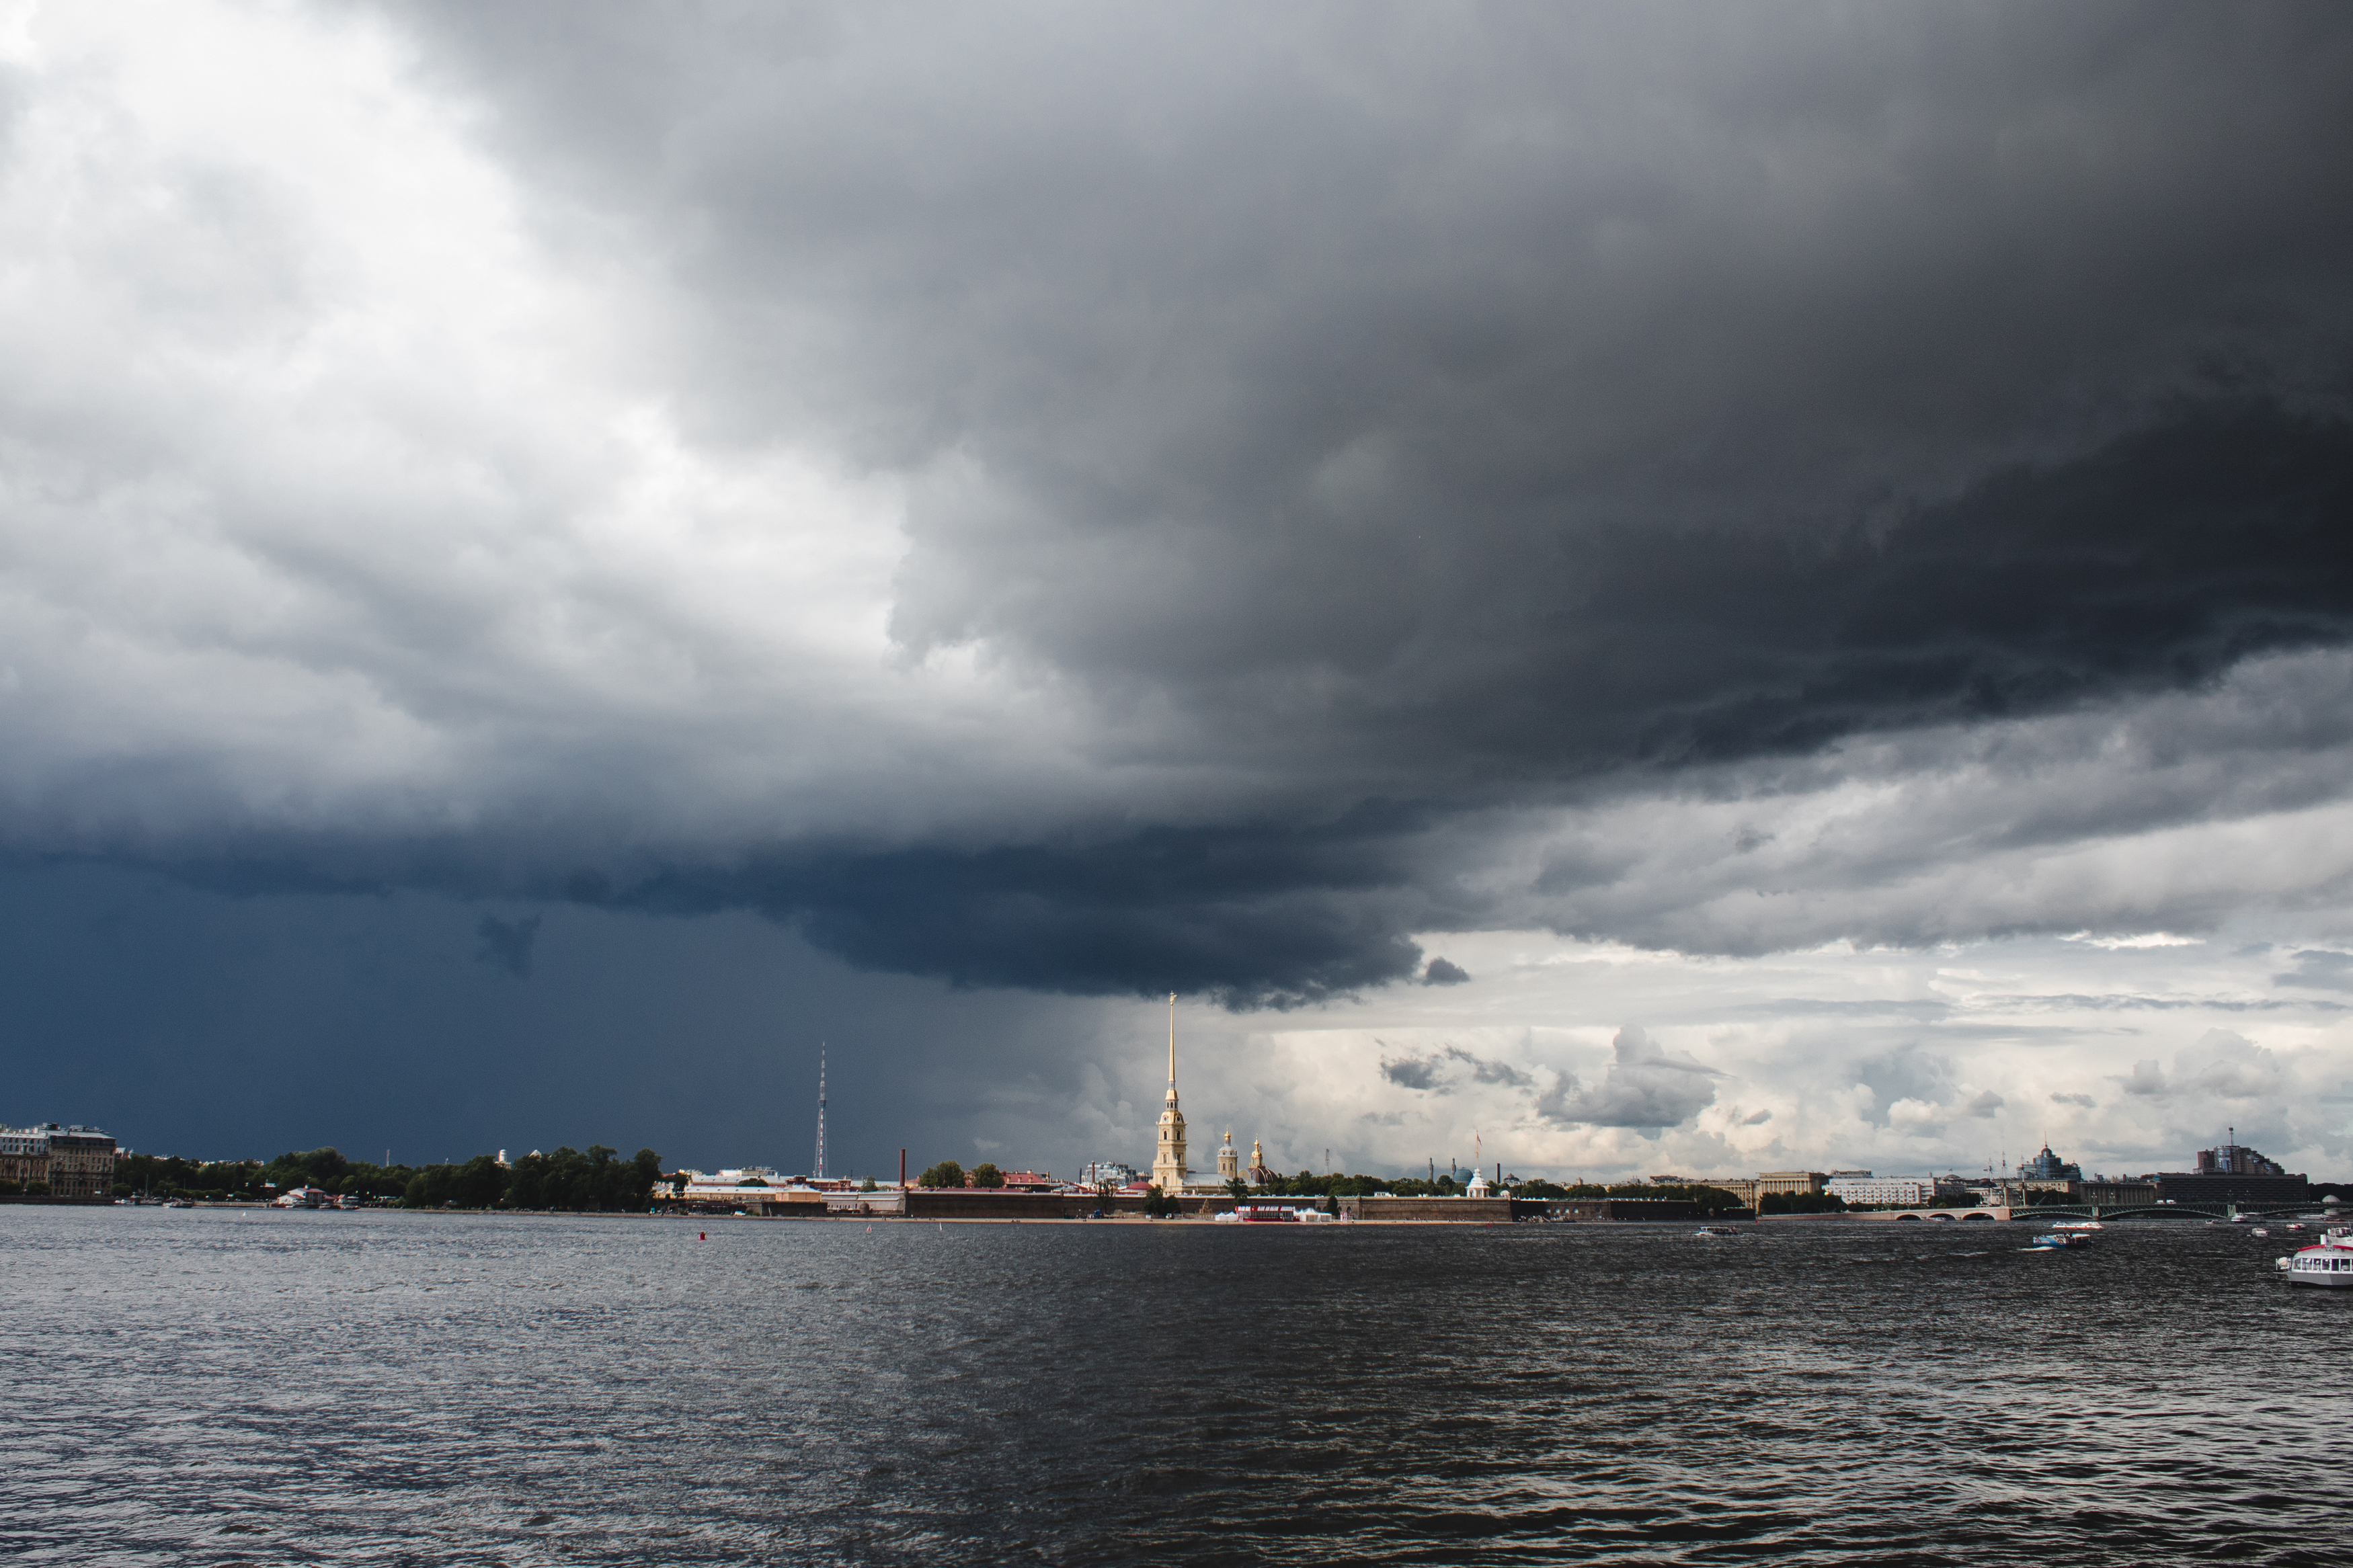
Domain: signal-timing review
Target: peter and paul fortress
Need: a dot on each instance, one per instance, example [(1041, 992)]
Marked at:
[(1170, 1173)]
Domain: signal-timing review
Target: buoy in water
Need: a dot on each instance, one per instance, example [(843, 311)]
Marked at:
[(702, 1236)]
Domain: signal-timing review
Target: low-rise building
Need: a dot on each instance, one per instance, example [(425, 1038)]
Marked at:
[(2109, 1194), (2190, 1187), (1956, 1189), (2232, 1173)]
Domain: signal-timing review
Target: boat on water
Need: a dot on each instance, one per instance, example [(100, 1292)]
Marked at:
[(2327, 1263), (2058, 1241), (1716, 1230), (2079, 1224)]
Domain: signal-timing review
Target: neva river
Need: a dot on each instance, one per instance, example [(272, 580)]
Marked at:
[(234, 1387)]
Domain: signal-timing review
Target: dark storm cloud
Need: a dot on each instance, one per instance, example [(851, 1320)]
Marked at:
[(1525, 390), (507, 945), (1411, 1072), (1350, 419), (2320, 968), (1439, 972), (1450, 402), (1431, 1072), (1253, 915)]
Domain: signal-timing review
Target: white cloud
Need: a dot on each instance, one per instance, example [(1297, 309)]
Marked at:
[(1898, 1060), (1646, 1086), (1917, 1117), (333, 497)]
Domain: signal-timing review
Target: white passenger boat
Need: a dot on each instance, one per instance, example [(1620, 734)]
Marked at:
[(2078, 1225), (2328, 1263)]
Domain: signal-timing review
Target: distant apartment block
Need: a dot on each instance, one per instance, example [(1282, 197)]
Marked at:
[(70, 1162), (2236, 1160)]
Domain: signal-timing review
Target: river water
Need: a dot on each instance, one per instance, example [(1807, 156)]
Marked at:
[(220, 1387)]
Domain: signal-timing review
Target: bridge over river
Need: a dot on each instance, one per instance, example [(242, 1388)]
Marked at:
[(2331, 1212)]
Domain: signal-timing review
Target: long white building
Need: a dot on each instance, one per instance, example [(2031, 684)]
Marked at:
[(1903, 1192)]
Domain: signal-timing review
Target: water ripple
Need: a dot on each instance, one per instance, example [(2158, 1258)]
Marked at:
[(226, 1387)]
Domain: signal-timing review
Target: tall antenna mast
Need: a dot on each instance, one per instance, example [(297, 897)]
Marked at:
[(820, 1111)]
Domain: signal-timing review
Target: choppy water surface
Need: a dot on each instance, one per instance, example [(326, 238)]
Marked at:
[(219, 1387)]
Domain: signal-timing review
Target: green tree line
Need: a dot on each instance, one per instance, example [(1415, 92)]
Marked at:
[(566, 1179), (948, 1174)]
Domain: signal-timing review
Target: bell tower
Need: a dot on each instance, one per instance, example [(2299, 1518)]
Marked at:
[(1168, 1172)]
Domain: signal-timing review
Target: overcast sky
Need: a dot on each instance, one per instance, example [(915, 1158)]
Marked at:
[(1626, 587)]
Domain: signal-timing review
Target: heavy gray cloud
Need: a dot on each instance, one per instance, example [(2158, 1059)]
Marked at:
[(507, 945), (1432, 1073), (2320, 969), (1094, 500), (1646, 1086)]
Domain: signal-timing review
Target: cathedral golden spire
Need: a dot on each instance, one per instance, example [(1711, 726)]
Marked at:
[(1168, 1170)]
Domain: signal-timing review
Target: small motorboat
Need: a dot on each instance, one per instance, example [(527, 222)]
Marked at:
[(2078, 1225), (2263, 1230), (2057, 1241), (1709, 1230)]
